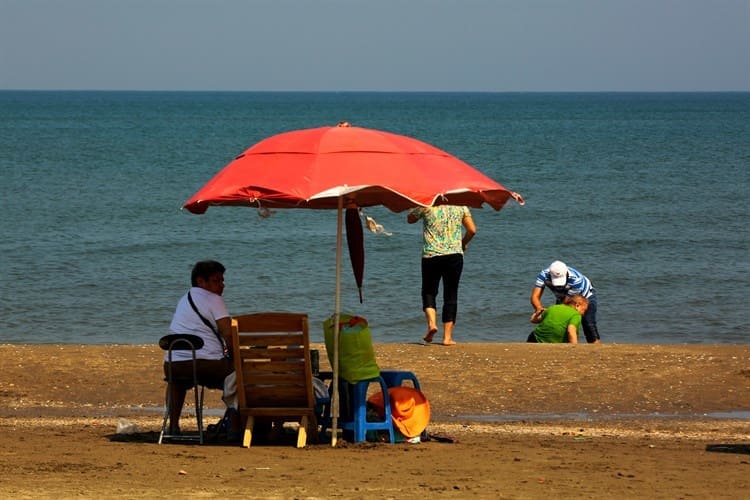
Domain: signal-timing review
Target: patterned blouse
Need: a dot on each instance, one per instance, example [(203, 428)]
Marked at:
[(442, 232)]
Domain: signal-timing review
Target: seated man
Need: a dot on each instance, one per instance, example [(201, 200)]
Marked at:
[(559, 323), (202, 312)]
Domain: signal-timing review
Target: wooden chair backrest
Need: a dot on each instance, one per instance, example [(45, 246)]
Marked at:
[(272, 360)]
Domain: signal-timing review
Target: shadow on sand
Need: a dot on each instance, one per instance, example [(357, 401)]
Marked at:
[(729, 448)]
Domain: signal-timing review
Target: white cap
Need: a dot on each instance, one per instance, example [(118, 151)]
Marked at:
[(558, 273)]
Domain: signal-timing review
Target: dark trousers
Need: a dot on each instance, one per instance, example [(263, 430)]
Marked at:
[(210, 372), (589, 321), (447, 268)]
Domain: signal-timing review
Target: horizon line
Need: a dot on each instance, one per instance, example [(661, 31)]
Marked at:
[(352, 91)]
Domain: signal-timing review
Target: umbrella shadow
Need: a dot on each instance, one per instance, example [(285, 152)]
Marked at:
[(729, 448), (152, 437), (135, 437)]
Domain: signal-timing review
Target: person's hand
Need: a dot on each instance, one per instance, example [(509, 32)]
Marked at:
[(536, 317)]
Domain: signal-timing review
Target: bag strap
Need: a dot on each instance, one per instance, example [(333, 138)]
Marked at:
[(208, 324)]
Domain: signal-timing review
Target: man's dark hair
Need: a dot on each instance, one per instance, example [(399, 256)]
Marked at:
[(204, 269)]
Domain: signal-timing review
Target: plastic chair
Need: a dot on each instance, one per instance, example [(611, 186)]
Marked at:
[(182, 342), (356, 421), (396, 378)]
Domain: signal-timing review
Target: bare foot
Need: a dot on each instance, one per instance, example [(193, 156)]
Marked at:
[(430, 334), (448, 342)]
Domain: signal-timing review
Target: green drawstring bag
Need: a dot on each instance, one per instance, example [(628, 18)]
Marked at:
[(356, 355)]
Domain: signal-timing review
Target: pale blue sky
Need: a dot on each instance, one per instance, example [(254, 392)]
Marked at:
[(433, 45)]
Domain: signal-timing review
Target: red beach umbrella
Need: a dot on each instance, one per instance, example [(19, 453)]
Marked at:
[(347, 167), (313, 168)]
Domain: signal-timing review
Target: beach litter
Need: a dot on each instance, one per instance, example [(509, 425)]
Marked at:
[(124, 426)]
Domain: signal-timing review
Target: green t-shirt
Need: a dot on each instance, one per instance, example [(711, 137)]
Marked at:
[(554, 326)]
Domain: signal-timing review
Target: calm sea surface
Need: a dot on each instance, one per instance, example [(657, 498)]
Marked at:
[(646, 194)]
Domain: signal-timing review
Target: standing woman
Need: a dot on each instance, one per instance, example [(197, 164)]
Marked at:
[(447, 230)]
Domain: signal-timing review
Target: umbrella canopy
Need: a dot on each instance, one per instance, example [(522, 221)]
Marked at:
[(312, 168), (345, 167)]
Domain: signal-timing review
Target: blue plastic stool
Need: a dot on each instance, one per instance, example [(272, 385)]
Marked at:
[(396, 378), (359, 424)]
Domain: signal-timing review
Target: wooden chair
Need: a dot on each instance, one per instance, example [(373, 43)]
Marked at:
[(274, 377)]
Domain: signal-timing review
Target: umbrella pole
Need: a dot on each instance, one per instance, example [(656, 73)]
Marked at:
[(336, 321)]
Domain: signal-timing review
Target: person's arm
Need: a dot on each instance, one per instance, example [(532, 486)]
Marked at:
[(536, 299), (470, 230), (411, 218), (572, 334), (225, 329)]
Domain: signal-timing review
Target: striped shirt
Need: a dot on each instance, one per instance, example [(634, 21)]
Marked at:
[(578, 283)]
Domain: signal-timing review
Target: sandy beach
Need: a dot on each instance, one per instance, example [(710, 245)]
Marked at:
[(525, 421)]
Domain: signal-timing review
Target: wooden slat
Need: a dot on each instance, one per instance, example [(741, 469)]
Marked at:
[(277, 390), (274, 412), (273, 353), (273, 378), (265, 367), (269, 322), (275, 401), (270, 339)]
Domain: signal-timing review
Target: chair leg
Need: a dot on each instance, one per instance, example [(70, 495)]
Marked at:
[(173, 406), (302, 432), (167, 407), (312, 426), (247, 435), (169, 403), (360, 411), (199, 411), (387, 411)]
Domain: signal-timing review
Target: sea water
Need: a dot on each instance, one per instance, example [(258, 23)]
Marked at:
[(644, 193)]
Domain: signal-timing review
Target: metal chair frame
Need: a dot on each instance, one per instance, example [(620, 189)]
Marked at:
[(183, 343)]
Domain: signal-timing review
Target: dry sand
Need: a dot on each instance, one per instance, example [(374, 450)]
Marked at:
[(528, 421)]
